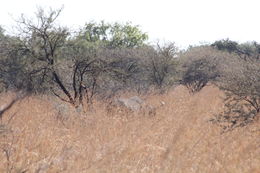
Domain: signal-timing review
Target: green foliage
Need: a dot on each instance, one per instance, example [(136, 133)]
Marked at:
[(126, 36), (113, 35)]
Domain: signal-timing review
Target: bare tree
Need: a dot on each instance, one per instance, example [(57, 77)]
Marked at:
[(162, 64), (43, 41)]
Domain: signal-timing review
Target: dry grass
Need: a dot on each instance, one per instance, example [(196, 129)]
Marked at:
[(178, 138)]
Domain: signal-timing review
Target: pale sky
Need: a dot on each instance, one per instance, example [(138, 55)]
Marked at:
[(185, 22)]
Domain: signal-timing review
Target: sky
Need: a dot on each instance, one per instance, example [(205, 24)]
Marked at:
[(185, 22)]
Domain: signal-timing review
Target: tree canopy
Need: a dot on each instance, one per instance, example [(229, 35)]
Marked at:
[(113, 35)]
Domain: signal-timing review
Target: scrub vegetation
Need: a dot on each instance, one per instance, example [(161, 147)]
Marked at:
[(58, 111)]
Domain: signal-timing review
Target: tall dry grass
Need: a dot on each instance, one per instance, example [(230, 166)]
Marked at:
[(36, 137)]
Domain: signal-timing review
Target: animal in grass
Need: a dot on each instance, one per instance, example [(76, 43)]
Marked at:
[(135, 104)]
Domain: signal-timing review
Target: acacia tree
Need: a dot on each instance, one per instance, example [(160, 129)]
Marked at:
[(240, 80), (161, 63), (44, 41), (199, 73), (116, 46), (86, 70), (69, 65), (113, 35), (200, 65)]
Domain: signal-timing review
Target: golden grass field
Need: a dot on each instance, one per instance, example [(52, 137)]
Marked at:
[(36, 138)]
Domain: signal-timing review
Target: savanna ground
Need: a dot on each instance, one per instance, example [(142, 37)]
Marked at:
[(36, 137)]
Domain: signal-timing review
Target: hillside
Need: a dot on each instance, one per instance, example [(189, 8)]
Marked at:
[(35, 137)]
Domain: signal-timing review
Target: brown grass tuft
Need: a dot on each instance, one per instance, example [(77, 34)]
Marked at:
[(39, 138)]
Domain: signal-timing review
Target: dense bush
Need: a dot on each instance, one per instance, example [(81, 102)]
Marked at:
[(13, 63), (200, 65), (99, 59), (234, 71), (103, 58), (248, 50), (240, 80)]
